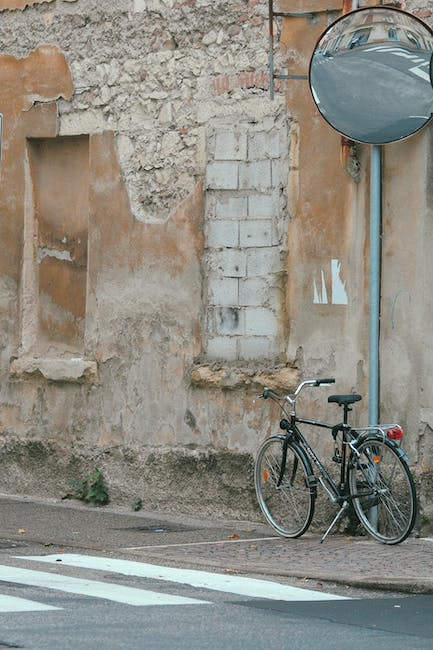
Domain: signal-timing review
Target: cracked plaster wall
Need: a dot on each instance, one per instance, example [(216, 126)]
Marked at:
[(149, 83), (330, 226), (142, 83)]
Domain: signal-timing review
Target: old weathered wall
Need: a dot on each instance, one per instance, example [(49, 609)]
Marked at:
[(144, 224), (172, 239), (328, 237)]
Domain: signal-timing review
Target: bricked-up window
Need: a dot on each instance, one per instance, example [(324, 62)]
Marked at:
[(57, 219), (246, 226)]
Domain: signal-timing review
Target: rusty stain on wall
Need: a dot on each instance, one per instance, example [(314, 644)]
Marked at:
[(135, 243), (71, 179), (59, 169), (28, 90), (321, 230)]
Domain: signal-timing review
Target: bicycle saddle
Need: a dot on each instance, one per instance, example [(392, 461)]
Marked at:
[(344, 399)]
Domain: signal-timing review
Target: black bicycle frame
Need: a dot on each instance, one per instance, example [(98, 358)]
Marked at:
[(337, 492)]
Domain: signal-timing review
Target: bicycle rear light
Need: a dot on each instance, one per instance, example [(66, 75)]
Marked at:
[(396, 433)]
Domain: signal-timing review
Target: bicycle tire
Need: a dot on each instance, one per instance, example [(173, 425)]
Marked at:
[(382, 490), (288, 507)]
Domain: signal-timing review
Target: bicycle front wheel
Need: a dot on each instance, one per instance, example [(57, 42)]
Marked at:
[(285, 498), (383, 490)]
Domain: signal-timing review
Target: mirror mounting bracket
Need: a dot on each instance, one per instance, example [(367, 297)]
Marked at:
[(286, 14)]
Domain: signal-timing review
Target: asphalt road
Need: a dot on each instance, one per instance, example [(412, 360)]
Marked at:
[(76, 577), (217, 620)]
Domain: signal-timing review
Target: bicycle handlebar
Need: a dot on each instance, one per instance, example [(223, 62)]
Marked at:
[(268, 392)]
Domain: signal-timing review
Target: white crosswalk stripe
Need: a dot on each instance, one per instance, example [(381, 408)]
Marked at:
[(55, 580), (239, 585), (93, 588), (10, 604)]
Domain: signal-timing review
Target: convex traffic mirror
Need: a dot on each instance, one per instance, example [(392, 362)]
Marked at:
[(370, 75)]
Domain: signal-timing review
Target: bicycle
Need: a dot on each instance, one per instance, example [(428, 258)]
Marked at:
[(374, 473)]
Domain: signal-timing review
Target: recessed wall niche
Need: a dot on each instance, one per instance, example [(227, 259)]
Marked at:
[(56, 234)]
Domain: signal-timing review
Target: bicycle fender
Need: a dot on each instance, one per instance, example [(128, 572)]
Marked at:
[(399, 451), (368, 436), (311, 479), (283, 461)]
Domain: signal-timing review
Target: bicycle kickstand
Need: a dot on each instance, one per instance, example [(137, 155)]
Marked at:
[(336, 519)]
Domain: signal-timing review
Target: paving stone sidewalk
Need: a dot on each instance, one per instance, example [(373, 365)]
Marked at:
[(230, 546)]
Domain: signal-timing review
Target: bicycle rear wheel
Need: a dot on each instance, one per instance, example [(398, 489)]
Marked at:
[(383, 490), (286, 501)]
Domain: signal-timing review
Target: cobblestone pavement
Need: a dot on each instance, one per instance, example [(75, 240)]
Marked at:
[(221, 545), (357, 562)]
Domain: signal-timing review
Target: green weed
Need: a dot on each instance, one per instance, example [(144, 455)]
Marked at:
[(91, 489)]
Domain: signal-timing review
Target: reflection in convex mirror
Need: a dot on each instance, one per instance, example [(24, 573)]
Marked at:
[(370, 75)]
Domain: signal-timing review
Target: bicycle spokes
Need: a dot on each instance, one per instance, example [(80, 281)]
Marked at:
[(282, 487), (382, 491)]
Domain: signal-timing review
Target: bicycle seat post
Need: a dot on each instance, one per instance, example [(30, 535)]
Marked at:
[(346, 409)]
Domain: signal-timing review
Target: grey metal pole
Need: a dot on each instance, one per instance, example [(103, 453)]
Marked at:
[(375, 271), (271, 48)]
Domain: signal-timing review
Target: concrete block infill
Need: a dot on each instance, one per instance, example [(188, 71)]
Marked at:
[(255, 233), (230, 207), (262, 205), (256, 347), (229, 321), (223, 291), (255, 175), (223, 175), (253, 292), (260, 322), (263, 145), (262, 261), (230, 263), (222, 233), (231, 145), (279, 174), (222, 347)]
